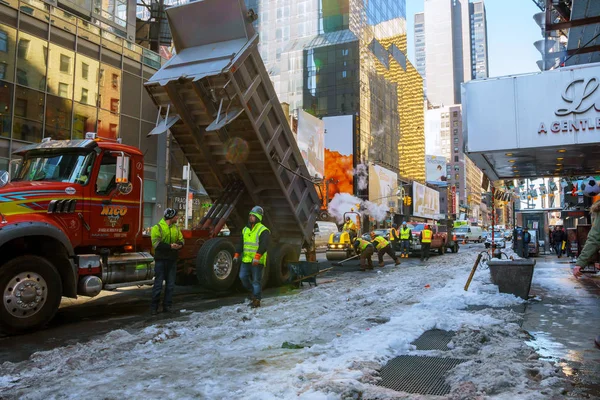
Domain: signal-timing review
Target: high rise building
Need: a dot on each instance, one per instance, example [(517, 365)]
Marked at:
[(455, 47), (420, 48), (62, 75), (479, 44)]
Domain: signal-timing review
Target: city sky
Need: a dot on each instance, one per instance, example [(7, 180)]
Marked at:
[(511, 33)]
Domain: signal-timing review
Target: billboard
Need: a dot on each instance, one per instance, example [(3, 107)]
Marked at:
[(426, 202), (311, 137), (546, 109), (383, 185), (435, 169), (339, 154)]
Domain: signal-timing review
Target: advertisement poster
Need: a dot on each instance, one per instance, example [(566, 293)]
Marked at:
[(311, 137), (339, 164), (383, 185), (435, 169), (426, 202)]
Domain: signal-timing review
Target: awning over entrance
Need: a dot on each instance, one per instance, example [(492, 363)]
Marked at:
[(534, 125)]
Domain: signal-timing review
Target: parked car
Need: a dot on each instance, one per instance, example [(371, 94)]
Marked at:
[(508, 235), (469, 234), (439, 241), (324, 229), (499, 240), (379, 232), (485, 234)]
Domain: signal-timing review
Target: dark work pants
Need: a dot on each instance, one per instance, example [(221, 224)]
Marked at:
[(365, 257), (254, 285), (386, 250), (405, 246), (164, 270), (425, 251)]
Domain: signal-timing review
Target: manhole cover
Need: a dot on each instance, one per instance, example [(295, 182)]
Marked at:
[(414, 374), (434, 339)]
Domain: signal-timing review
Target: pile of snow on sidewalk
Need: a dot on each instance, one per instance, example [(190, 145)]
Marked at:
[(341, 333)]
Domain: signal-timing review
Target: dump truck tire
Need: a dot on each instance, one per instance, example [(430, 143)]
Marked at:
[(279, 258), (455, 248), (442, 249), (215, 268), (31, 293)]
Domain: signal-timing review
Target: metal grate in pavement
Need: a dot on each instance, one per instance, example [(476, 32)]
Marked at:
[(414, 374), (434, 339)]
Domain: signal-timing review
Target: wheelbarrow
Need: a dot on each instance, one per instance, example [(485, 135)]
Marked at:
[(305, 271)]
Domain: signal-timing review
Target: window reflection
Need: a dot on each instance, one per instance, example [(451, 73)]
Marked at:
[(108, 124), (58, 118), (29, 112), (86, 80), (32, 57), (84, 120), (110, 87), (7, 53), (6, 90), (60, 71)]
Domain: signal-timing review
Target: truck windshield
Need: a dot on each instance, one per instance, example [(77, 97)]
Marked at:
[(69, 167)]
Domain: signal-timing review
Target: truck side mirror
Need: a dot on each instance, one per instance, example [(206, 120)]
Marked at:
[(122, 169), (4, 178)]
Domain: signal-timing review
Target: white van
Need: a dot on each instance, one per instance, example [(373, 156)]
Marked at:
[(323, 229), (469, 234)]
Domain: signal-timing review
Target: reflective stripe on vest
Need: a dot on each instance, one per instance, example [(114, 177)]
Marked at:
[(381, 242), (405, 234), (251, 239), (363, 244), (427, 234)]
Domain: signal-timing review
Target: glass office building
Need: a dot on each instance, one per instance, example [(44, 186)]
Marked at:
[(62, 76)]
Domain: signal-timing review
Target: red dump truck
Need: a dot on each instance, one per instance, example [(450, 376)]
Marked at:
[(70, 219)]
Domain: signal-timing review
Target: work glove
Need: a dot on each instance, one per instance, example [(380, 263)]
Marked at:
[(236, 258), (256, 260)]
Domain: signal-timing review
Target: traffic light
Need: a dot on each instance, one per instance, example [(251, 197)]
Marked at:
[(407, 201)]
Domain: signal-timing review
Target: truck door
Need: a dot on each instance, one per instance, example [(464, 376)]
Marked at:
[(114, 201)]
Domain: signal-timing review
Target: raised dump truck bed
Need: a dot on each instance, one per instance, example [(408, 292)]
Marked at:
[(216, 97)]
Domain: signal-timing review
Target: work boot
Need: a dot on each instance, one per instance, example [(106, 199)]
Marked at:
[(168, 310), (153, 311), (381, 264), (255, 303), (397, 260)]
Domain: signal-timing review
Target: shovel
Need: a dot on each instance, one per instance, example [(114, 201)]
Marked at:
[(338, 263)]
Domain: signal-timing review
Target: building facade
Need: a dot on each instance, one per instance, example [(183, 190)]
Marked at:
[(71, 76), (455, 47), (479, 43), (420, 47)]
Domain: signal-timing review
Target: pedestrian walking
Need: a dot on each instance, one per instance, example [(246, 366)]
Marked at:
[(405, 235), (557, 239), (167, 240), (526, 241), (253, 247), (591, 247), (426, 236), (366, 250), (383, 247)]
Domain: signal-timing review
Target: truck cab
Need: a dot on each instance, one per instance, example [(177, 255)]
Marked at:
[(71, 210)]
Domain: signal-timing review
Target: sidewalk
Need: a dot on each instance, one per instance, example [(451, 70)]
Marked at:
[(565, 321)]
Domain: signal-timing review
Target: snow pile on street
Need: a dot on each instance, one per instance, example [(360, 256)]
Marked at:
[(338, 336)]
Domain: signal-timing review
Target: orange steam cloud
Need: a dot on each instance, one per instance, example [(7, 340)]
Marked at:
[(338, 167)]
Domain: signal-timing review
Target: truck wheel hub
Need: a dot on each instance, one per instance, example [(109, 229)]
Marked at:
[(25, 294), (223, 264)]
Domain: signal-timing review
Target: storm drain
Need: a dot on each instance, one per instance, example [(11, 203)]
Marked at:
[(421, 375), (434, 339)]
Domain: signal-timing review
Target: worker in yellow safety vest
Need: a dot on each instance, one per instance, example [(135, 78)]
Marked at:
[(383, 247), (350, 227), (255, 240), (426, 236), (405, 236), (395, 237), (366, 250)]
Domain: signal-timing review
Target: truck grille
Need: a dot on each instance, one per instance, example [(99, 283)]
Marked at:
[(62, 206)]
